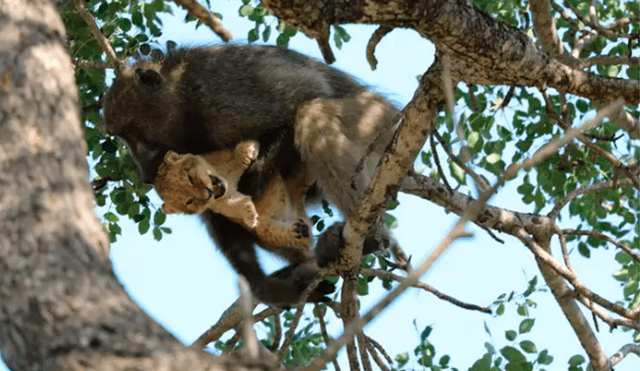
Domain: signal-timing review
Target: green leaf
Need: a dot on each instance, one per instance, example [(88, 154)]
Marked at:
[(444, 361), (576, 360), (289, 31), (526, 325), (402, 359), (337, 40), (266, 33), (245, 10), (253, 35), (630, 288), (282, 40), (124, 24), (457, 172), (528, 346), (493, 158), (390, 221), (584, 250), (513, 355), (500, 310), (425, 333), (111, 217), (159, 217), (473, 138), (143, 226), (510, 335), (582, 105), (157, 235), (522, 310), (544, 358), (363, 286)]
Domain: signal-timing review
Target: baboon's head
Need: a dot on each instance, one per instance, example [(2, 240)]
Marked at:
[(138, 108)]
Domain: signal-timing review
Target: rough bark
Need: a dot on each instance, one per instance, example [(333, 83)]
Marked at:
[(61, 306), (495, 53)]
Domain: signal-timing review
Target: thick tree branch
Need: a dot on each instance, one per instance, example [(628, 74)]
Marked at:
[(494, 53), (61, 306), (545, 26)]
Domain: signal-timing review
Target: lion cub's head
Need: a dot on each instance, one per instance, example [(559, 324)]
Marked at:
[(186, 184)]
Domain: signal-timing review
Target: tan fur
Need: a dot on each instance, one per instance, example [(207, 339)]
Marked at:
[(185, 184), (332, 135)]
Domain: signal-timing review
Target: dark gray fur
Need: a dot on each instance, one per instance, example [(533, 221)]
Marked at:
[(198, 100)]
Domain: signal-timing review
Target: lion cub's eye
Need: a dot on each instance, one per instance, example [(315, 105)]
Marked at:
[(190, 179), (190, 201)]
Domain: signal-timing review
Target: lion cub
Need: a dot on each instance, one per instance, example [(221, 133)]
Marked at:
[(190, 184)]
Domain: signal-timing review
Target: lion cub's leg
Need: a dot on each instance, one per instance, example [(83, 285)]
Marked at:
[(276, 230)]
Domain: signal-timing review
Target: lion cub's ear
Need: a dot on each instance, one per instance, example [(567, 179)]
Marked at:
[(171, 156)]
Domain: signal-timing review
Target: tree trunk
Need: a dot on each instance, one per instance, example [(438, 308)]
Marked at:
[(61, 307)]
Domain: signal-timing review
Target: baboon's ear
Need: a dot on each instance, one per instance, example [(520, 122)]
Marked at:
[(150, 78)]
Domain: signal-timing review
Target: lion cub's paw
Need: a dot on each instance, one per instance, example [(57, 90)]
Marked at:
[(248, 152), (249, 213)]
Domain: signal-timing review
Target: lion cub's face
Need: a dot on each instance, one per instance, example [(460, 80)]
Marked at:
[(186, 185)]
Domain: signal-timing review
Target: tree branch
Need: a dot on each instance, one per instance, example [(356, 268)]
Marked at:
[(623, 352), (90, 20), (196, 10), (385, 275)]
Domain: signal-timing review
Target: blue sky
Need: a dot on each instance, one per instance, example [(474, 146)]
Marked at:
[(185, 283)]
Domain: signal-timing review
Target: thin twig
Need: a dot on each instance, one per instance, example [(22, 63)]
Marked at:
[(90, 20), (436, 159), (376, 357), (100, 65), (296, 319), (277, 333), (480, 183), (604, 60), (380, 349), (364, 354), (385, 275), (544, 256), (565, 253), (602, 236), (613, 323), (323, 331)]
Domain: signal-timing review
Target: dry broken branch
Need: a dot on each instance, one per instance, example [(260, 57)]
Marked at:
[(376, 37)]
